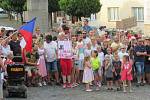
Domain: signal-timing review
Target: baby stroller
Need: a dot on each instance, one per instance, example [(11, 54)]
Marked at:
[(16, 81)]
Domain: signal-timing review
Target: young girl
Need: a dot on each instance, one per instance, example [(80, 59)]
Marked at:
[(117, 69), (108, 72), (88, 76), (41, 64), (96, 66), (126, 74)]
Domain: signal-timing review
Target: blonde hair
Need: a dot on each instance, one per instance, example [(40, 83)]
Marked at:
[(86, 59)]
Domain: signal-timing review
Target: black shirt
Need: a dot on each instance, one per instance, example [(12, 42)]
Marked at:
[(117, 66), (15, 47), (147, 61), (139, 48)]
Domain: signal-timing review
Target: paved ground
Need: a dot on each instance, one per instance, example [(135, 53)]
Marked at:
[(57, 93)]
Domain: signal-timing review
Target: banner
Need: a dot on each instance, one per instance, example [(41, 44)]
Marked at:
[(126, 23), (65, 49)]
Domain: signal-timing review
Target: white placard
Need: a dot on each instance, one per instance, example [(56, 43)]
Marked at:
[(65, 49)]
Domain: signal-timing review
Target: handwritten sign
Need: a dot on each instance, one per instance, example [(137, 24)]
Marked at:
[(65, 49)]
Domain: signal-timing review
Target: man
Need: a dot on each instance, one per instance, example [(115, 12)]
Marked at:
[(86, 26), (140, 53), (115, 45), (86, 39), (51, 58), (15, 45), (2, 32)]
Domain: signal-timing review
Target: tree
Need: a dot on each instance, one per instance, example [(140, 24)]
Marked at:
[(53, 6), (17, 6), (80, 8), (5, 5)]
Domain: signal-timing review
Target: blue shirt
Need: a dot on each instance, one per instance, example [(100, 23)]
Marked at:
[(141, 48), (87, 28)]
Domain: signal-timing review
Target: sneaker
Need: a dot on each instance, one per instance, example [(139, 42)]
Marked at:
[(64, 86), (69, 85), (130, 91), (138, 84), (141, 84), (124, 91), (44, 83), (89, 90), (58, 84), (40, 84), (97, 89), (99, 84)]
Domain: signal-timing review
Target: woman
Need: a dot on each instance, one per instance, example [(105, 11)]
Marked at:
[(5, 48), (147, 61)]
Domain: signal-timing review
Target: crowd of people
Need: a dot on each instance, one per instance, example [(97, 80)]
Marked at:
[(97, 59)]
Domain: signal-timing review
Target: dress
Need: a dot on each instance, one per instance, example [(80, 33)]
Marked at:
[(88, 75), (41, 63), (124, 74)]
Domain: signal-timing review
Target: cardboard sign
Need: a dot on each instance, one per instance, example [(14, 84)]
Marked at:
[(65, 49), (126, 23)]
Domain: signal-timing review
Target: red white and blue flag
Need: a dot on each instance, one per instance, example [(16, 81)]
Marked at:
[(26, 31)]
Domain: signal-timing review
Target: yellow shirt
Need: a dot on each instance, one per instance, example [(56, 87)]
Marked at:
[(95, 63)]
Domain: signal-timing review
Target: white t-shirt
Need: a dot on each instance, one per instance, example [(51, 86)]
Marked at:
[(50, 51), (6, 50), (101, 57), (86, 41), (81, 49), (87, 52), (121, 54)]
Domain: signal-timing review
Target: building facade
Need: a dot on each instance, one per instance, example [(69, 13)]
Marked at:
[(116, 10)]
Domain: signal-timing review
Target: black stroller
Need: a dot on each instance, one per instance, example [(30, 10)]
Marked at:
[(16, 81)]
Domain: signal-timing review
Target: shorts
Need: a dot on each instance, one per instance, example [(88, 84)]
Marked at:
[(76, 63), (109, 79), (52, 66), (66, 66), (96, 72), (30, 70), (81, 65), (117, 77)]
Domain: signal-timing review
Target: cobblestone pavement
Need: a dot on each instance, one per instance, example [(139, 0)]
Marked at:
[(57, 93)]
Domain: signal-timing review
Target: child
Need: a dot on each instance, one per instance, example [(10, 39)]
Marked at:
[(88, 76), (96, 66), (108, 72), (9, 59), (117, 69), (31, 59), (41, 64), (126, 74), (75, 70)]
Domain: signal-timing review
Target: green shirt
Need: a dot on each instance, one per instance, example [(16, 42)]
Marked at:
[(95, 63)]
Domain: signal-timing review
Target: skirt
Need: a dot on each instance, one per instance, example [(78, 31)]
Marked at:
[(88, 75)]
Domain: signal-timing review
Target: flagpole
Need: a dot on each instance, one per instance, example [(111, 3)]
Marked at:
[(8, 37)]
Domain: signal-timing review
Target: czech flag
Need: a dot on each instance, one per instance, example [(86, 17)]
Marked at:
[(26, 31)]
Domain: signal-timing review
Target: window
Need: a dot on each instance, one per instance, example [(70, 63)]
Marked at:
[(113, 14), (138, 12)]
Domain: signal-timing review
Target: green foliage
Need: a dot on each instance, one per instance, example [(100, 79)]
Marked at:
[(17, 6), (53, 6), (80, 8)]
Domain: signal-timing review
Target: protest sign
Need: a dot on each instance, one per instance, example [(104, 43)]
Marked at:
[(65, 49)]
